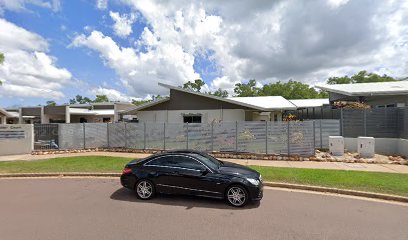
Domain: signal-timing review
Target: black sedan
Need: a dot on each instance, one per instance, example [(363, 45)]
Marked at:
[(192, 173)]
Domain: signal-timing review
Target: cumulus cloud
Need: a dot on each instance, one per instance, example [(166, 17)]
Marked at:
[(102, 4), (28, 71), (123, 23), (21, 5), (112, 94), (307, 41)]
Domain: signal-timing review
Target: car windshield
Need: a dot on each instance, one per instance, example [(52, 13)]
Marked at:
[(208, 160)]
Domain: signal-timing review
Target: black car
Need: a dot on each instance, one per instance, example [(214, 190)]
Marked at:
[(192, 173)]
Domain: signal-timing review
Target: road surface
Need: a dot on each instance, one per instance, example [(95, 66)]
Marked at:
[(62, 208)]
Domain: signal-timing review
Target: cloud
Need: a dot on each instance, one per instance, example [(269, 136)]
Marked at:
[(28, 71), (112, 94), (102, 4), (21, 5), (123, 23)]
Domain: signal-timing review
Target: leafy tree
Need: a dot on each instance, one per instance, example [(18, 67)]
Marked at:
[(1, 62), (51, 103), (246, 89), (194, 86), (220, 93), (101, 98), (291, 90), (78, 99), (361, 77), (140, 102)]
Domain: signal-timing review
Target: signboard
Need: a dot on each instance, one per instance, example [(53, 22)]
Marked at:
[(16, 139), (12, 132)]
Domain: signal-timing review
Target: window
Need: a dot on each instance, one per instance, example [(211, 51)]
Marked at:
[(106, 120), (192, 119), (186, 162), (162, 161)]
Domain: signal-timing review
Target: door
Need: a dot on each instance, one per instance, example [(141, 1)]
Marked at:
[(163, 174)]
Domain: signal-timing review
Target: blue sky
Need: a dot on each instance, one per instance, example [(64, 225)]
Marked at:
[(122, 48)]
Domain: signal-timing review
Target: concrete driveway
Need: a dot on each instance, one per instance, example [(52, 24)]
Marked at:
[(61, 208)]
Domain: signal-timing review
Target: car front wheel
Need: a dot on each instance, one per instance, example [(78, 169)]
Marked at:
[(144, 189), (237, 196)]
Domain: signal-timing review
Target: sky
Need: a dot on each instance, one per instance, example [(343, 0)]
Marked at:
[(56, 49)]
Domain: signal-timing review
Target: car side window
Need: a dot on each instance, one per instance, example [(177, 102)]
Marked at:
[(162, 161), (186, 162)]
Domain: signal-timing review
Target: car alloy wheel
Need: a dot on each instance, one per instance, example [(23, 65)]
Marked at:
[(144, 189), (237, 196)]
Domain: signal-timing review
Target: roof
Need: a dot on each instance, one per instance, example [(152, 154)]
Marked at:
[(305, 103), (266, 102), (84, 111), (5, 113), (146, 105), (368, 89)]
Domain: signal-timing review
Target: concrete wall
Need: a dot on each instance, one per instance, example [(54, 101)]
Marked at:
[(16, 139), (387, 146), (176, 116)]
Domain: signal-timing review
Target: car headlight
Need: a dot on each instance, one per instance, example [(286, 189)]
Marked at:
[(253, 181), (260, 177)]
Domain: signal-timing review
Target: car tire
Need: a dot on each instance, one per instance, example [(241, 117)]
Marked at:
[(236, 195), (145, 189)]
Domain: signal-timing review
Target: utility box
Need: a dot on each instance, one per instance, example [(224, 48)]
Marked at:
[(336, 145), (366, 147)]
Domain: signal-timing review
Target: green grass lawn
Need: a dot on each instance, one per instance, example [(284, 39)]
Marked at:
[(392, 183)]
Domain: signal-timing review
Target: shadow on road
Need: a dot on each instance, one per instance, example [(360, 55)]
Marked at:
[(124, 194)]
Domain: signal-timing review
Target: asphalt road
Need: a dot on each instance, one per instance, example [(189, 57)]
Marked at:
[(101, 209)]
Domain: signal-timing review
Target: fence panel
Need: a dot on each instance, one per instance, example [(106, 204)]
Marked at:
[(117, 135), (71, 135), (329, 127), (277, 137), (353, 122), (252, 137), (154, 135), (176, 136), (96, 135), (225, 136), (301, 138), (46, 136), (382, 122), (135, 135), (200, 136), (402, 122)]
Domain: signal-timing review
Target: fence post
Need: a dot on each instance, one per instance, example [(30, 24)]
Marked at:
[(107, 134), (187, 136), (365, 121), (236, 136), (144, 135), (266, 137), (314, 135), (288, 138), (83, 127), (164, 136), (126, 143), (212, 136), (321, 135), (341, 121)]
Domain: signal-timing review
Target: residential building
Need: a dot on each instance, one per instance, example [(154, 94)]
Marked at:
[(381, 94)]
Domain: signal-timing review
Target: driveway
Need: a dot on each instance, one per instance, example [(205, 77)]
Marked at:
[(62, 208)]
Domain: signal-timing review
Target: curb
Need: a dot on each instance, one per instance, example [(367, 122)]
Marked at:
[(269, 184)]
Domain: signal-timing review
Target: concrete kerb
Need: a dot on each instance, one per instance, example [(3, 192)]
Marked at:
[(269, 184)]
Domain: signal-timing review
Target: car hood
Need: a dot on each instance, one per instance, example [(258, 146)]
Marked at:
[(239, 170)]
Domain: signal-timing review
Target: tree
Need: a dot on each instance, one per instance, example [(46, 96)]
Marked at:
[(140, 102), (360, 77), (101, 98), (246, 89), (291, 90), (1, 62), (80, 100), (51, 103), (219, 93), (194, 86)]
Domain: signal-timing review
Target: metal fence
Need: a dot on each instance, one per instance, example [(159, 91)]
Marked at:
[(375, 122), (298, 138)]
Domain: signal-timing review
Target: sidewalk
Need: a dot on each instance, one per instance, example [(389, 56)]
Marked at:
[(391, 168)]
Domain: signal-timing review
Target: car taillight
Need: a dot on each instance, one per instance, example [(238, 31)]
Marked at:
[(126, 171)]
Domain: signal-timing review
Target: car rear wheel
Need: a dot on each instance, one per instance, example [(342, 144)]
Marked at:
[(237, 196), (145, 189)]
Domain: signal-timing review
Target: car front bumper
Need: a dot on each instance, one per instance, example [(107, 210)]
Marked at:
[(256, 192)]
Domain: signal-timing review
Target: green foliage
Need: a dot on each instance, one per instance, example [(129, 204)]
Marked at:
[(1, 62), (51, 103), (219, 93), (246, 89), (78, 99), (360, 77), (291, 90), (194, 86), (101, 98), (140, 102)]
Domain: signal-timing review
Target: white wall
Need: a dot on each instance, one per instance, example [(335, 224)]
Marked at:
[(388, 146), (176, 116), (10, 145)]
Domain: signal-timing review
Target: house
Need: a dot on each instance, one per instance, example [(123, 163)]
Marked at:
[(186, 106), (73, 113), (4, 115), (381, 94)]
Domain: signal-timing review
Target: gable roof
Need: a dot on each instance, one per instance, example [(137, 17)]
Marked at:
[(368, 89), (305, 103), (266, 102)]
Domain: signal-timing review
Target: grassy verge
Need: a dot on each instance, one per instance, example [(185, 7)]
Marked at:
[(391, 183)]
